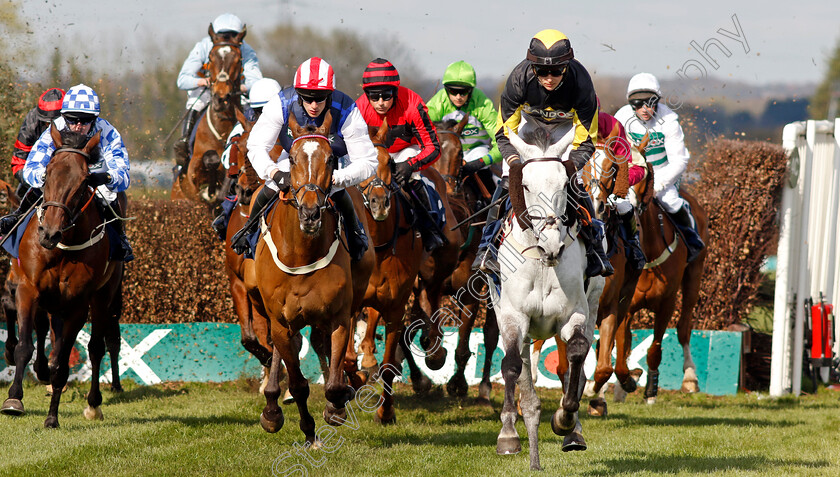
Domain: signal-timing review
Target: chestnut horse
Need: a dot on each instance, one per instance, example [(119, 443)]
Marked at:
[(201, 180), (64, 269), (305, 277)]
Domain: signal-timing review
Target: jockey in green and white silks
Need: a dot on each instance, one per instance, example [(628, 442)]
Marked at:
[(666, 150), (458, 97)]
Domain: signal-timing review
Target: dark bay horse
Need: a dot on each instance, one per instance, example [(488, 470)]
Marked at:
[(465, 285), (305, 277), (64, 270), (201, 181)]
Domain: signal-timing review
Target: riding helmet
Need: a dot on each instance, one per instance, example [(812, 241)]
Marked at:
[(550, 48), (49, 104)]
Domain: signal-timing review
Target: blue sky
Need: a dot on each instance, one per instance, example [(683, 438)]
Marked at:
[(773, 44)]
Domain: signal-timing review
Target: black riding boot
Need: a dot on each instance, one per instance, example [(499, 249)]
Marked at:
[(485, 257), (597, 262), (239, 241), (181, 146), (688, 230), (357, 242), (433, 238), (632, 247), (9, 221), (126, 254)]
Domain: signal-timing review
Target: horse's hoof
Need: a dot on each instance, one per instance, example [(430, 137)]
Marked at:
[(51, 422), (385, 418), (421, 385), (12, 407), (93, 413), (362, 376), (574, 442), (597, 407), (690, 387), (271, 426), (116, 388), (435, 363), (369, 364), (333, 415), (484, 391), (288, 398), (457, 386), (562, 423), (650, 401), (629, 385), (508, 445)]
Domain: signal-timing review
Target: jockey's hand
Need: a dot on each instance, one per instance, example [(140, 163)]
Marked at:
[(283, 179), (658, 187), (402, 173), (471, 168), (621, 205), (97, 179), (203, 82)]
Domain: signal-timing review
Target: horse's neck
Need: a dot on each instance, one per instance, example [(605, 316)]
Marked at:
[(656, 234), (221, 121)]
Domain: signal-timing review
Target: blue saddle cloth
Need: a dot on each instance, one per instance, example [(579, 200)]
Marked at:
[(12, 245)]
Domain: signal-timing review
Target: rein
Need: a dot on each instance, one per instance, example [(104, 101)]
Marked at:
[(63, 207)]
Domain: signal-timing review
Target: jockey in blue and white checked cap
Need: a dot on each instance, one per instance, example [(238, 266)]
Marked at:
[(80, 113)]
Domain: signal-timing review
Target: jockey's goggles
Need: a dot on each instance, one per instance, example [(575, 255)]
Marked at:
[(73, 120), (374, 96), (313, 97), (456, 91), (543, 71), (638, 103)]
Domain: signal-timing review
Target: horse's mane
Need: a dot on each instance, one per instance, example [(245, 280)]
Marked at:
[(538, 136), (75, 140), (448, 124)]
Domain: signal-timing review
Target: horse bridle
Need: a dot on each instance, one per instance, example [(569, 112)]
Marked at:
[(453, 180), (64, 207), (323, 194)]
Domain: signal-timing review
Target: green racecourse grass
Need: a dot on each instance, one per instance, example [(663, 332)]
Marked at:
[(212, 429)]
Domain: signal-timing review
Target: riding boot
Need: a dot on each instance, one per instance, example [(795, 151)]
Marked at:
[(485, 257), (632, 246), (597, 262), (688, 230), (220, 223), (433, 238), (239, 241), (181, 146), (114, 215), (357, 242), (9, 221)]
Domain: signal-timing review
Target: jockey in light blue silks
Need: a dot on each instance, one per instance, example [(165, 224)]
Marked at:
[(192, 77), (80, 114), (665, 151)]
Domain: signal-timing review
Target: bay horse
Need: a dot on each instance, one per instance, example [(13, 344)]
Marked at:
[(64, 269), (202, 179), (305, 277), (464, 284), (543, 290), (399, 253)]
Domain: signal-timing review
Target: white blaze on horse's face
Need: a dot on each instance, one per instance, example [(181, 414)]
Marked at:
[(309, 148), (222, 52)]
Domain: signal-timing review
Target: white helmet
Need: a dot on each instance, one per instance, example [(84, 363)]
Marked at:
[(644, 82), (262, 91), (227, 22)]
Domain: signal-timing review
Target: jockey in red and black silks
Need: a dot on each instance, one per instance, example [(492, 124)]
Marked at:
[(37, 120)]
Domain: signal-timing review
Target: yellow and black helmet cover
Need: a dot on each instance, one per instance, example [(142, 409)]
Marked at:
[(550, 47)]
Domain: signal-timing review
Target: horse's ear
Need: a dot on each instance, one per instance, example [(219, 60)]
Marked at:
[(382, 132), (324, 130), (525, 150), (211, 33), (241, 35), (55, 134), (92, 142), (459, 128), (240, 116), (294, 127)]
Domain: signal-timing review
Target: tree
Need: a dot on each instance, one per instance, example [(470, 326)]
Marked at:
[(829, 89)]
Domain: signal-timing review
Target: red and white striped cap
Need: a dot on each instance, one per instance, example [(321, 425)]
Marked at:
[(315, 74)]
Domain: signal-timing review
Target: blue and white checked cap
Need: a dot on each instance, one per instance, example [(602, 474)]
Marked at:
[(81, 99)]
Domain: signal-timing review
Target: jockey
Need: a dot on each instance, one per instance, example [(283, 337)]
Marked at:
[(312, 95), (37, 120), (549, 89), (611, 136), (80, 114), (412, 138), (458, 97), (262, 91), (666, 151), (192, 77)]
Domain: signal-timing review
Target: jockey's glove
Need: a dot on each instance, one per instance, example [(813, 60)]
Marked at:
[(472, 167), (402, 173), (283, 179), (621, 205), (97, 179), (658, 187)]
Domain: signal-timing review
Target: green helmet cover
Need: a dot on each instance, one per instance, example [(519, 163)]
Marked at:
[(460, 72)]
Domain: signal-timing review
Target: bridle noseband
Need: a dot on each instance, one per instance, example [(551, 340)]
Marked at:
[(73, 217), (323, 194)]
